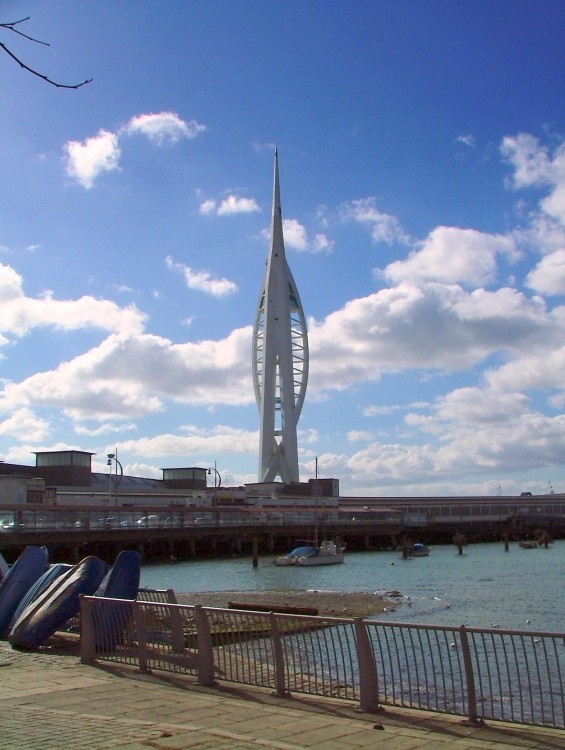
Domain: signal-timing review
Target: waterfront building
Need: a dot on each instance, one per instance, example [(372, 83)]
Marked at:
[(280, 358)]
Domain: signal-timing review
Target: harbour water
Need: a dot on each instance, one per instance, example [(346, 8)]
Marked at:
[(484, 587)]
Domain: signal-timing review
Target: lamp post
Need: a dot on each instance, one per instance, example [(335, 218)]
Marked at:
[(216, 477), (114, 457), (219, 480)]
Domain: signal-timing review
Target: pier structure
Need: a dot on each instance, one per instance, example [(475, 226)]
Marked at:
[(280, 357)]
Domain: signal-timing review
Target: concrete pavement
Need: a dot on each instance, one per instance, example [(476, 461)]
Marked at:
[(50, 701)]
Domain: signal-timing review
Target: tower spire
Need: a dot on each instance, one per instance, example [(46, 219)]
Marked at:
[(280, 357)]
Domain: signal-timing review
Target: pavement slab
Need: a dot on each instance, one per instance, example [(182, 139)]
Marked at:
[(49, 700)]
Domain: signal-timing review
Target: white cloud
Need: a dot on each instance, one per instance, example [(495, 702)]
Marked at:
[(453, 255), (542, 234), (355, 436), (20, 314), (425, 327), (481, 406), (548, 277), (207, 207), (164, 127), (24, 425), (430, 327), (554, 204), (309, 436), (295, 234), (531, 161), (202, 280), (230, 206), (87, 160), (467, 140), (218, 440), (235, 205), (132, 376), (535, 166), (521, 441), (382, 227), (321, 244), (540, 367), (376, 411), (108, 428), (296, 237)]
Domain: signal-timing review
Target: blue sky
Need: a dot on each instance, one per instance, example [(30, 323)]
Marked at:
[(422, 167)]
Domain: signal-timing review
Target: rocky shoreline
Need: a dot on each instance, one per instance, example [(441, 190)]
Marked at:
[(328, 603)]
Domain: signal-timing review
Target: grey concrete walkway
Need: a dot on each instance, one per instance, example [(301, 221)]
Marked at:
[(50, 701)]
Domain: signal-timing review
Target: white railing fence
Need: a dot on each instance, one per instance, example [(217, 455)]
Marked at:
[(475, 673)]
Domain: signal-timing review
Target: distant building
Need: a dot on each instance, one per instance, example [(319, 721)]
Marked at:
[(19, 489), (66, 478), (62, 468)]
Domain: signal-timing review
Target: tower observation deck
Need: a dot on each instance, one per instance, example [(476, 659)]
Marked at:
[(280, 358)]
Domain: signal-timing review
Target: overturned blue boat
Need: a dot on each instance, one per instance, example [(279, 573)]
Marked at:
[(57, 604)]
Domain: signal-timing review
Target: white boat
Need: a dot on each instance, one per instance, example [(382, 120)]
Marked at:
[(328, 553), (312, 553), (291, 557), (418, 550)]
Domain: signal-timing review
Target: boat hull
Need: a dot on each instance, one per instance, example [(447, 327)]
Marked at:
[(306, 562), (57, 604), (4, 567), (50, 575), (326, 554), (111, 621), (29, 566), (416, 550)]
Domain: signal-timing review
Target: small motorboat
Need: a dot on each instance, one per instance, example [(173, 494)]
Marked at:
[(418, 550), (328, 553)]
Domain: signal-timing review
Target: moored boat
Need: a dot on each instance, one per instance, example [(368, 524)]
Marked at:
[(418, 550), (328, 553)]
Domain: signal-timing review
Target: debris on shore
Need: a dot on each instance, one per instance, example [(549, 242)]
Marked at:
[(327, 603)]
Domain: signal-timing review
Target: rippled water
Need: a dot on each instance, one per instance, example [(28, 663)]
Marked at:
[(486, 586)]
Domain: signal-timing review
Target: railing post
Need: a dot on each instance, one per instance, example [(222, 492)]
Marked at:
[(280, 677), (141, 630), (177, 632), (205, 655), (368, 678), (470, 680), (87, 641)]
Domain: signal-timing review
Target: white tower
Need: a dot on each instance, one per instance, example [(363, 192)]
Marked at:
[(280, 358)]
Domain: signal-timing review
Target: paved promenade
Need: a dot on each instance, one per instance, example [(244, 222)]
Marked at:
[(50, 701)]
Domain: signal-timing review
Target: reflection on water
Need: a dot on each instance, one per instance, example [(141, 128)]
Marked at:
[(484, 587)]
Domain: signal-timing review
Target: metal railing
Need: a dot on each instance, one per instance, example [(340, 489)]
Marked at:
[(470, 672), (16, 519)]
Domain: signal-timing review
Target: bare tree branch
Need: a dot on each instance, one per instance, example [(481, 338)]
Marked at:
[(12, 27)]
